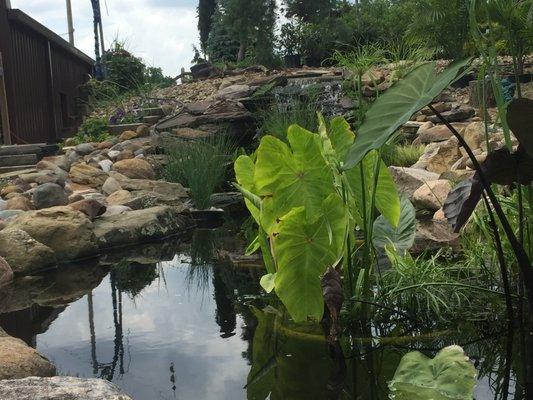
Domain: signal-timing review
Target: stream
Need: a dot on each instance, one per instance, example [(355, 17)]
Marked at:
[(169, 321)]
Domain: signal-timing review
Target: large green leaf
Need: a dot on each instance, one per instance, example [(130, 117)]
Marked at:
[(402, 236), (341, 136), (450, 375), (303, 251), (361, 180), (244, 172), (291, 177), (394, 108)]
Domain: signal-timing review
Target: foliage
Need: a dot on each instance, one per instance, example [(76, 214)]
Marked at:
[(400, 237), (154, 76), (133, 278), (304, 206), (92, 130), (206, 9), (123, 68), (291, 38), (221, 44), (309, 10), (276, 120), (398, 104), (449, 375), (200, 165), (401, 155)]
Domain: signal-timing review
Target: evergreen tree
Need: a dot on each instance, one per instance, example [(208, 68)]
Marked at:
[(220, 44), (309, 10), (206, 9)]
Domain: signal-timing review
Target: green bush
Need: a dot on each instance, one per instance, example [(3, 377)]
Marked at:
[(123, 68), (92, 130), (401, 155), (200, 165)]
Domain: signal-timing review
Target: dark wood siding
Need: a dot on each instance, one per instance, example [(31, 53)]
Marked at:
[(44, 76)]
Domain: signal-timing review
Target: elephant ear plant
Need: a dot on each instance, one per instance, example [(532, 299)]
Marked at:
[(307, 208)]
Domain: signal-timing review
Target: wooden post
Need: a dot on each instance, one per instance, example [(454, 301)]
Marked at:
[(4, 113), (70, 24)]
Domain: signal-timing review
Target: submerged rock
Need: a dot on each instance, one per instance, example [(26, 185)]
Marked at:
[(18, 360), (60, 388)]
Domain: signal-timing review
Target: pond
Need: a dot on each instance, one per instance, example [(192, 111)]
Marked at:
[(164, 321)]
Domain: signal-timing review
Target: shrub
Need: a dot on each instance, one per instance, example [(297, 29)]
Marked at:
[(200, 165), (92, 130), (123, 68), (401, 155)]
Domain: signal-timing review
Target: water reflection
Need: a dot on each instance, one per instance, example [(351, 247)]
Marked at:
[(168, 321)]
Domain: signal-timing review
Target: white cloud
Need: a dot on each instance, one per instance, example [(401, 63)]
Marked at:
[(161, 32)]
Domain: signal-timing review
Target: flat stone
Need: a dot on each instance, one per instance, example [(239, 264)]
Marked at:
[(84, 149), (141, 225), (434, 235), (431, 195), (84, 174), (60, 388)]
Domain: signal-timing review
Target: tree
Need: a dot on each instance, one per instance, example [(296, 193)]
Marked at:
[(220, 45), (309, 10), (206, 9)]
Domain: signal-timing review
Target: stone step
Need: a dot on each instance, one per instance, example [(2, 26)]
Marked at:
[(18, 159), (15, 170), (152, 119)]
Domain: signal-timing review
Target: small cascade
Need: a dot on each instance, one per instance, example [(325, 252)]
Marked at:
[(326, 91)]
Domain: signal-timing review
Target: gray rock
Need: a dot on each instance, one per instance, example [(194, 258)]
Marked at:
[(456, 115), (111, 186), (234, 92), (106, 165), (6, 273), (49, 195), (24, 254), (2, 204), (116, 210), (60, 388), (141, 225), (433, 235), (84, 149), (7, 215)]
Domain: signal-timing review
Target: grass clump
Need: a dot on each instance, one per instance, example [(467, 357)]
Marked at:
[(200, 165), (92, 130), (276, 120), (401, 155)]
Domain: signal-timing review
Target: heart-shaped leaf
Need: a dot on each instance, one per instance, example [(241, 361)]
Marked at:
[(402, 236), (448, 376)]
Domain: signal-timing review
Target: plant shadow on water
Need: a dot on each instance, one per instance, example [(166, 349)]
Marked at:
[(169, 320)]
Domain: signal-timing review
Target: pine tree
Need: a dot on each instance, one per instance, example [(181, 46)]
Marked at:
[(206, 9)]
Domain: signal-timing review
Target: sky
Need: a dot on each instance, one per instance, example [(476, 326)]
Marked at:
[(161, 32)]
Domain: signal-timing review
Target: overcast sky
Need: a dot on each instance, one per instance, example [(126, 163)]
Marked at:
[(161, 32)]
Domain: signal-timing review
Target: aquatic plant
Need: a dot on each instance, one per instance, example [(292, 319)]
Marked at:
[(448, 376), (200, 165)]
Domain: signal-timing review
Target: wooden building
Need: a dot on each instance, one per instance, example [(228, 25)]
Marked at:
[(41, 81)]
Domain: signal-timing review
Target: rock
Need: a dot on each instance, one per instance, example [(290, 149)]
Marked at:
[(439, 157), (73, 198), (440, 107), (115, 210), (18, 361), (455, 115), (19, 203), (168, 109), (12, 195), (439, 215), (49, 195), (438, 133), (474, 134), (408, 180), (135, 168), (67, 232), (111, 186), (106, 165), (10, 189), (3, 205), (60, 388), (431, 195), (140, 199), (70, 142), (160, 187), (424, 127), (141, 225), (86, 175), (105, 145), (53, 162), (24, 254), (91, 208), (84, 149), (143, 130), (234, 92), (113, 154), (6, 215), (125, 155), (458, 175), (434, 235), (127, 135), (6, 273)]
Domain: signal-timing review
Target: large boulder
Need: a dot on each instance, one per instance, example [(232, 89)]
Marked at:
[(6, 273), (141, 225), (409, 179), (439, 157), (160, 187), (139, 199), (19, 203), (84, 174), (434, 235), (474, 134), (135, 168), (49, 195), (60, 388), (431, 195), (25, 254), (18, 360), (66, 231), (90, 207)]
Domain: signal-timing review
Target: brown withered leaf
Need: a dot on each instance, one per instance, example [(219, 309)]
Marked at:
[(519, 119), (333, 297)]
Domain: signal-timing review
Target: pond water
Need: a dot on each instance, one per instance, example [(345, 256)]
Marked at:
[(165, 322)]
